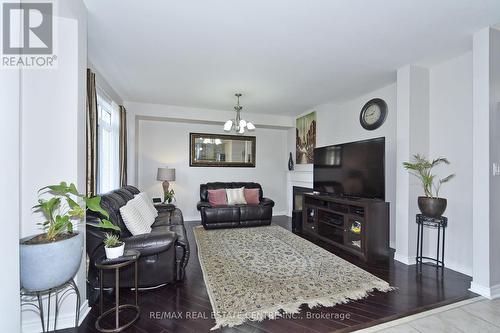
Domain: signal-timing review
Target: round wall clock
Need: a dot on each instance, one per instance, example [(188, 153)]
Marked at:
[(373, 114)]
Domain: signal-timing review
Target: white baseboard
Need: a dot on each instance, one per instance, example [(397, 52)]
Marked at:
[(84, 311), (404, 259), (492, 292), (280, 213), (451, 265), (458, 267), (66, 320), (192, 218)]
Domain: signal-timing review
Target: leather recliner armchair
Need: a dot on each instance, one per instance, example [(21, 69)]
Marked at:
[(164, 251), (234, 216)]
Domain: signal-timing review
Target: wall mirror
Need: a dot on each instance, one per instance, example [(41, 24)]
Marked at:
[(219, 150)]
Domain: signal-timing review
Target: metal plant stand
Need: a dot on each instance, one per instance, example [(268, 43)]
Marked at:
[(132, 257), (434, 223), (29, 297)]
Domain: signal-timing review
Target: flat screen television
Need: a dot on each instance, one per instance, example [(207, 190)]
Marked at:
[(354, 169)]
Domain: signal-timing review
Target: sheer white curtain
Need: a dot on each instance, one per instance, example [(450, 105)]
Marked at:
[(108, 171)]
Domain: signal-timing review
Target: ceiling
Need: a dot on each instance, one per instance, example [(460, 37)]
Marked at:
[(285, 56)]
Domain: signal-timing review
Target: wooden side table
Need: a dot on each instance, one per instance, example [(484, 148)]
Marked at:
[(434, 223), (130, 257)]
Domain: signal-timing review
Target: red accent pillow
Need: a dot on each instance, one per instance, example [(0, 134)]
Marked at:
[(217, 197), (252, 196)]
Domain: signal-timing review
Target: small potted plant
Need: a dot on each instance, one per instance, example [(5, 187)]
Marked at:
[(52, 257), (169, 196), (113, 246), (431, 204)]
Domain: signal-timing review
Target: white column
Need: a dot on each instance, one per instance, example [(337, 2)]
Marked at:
[(412, 138), (53, 146), (494, 108), (9, 199), (486, 152)]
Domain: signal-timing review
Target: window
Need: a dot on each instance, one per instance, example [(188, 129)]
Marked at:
[(108, 170)]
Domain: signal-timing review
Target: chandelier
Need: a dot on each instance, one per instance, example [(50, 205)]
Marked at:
[(238, 125)]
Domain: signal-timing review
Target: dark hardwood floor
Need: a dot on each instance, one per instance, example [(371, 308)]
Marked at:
[(185, 307)]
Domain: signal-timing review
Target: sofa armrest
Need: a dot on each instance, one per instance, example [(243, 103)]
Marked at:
[(267, 202), (203, 204), (151, 243), (160, 208)]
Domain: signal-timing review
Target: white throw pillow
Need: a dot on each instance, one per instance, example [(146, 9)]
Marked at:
[(236, 196), (152, 213), (134, 218), (143, 207)]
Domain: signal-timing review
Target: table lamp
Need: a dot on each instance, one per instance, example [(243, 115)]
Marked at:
[(165, 174)]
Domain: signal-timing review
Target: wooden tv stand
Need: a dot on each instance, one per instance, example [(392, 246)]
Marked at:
[(359, 226)]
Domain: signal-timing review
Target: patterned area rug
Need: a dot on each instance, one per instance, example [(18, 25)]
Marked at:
[(263, 272)]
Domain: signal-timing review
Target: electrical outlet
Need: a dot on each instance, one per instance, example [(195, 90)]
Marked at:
[(496, 169)]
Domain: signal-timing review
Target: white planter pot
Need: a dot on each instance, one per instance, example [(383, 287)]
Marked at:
[(114, 252), (45, 266)]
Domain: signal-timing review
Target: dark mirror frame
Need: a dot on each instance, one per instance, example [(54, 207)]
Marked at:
[(194, 163)]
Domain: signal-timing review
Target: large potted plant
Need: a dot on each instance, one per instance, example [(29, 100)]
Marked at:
[(431, 204), (52, 257)]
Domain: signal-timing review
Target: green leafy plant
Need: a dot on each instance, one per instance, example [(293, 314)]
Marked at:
[(421, 167), (63, 206), (112, 240), (169, 196)]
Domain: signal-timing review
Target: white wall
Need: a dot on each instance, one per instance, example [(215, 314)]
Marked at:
[(435, 119), (188, 115), (53, 134), (340, 123), (9, 199), (451, 137), (166, 143)]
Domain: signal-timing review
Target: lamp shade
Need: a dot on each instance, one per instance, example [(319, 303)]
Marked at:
[(165, 174)]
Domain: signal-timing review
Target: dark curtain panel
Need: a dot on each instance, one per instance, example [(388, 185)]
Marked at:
[(91, 134), (123, 146)]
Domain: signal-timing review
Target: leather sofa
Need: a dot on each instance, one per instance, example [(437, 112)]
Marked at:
[(234, 216), (164, 251)]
